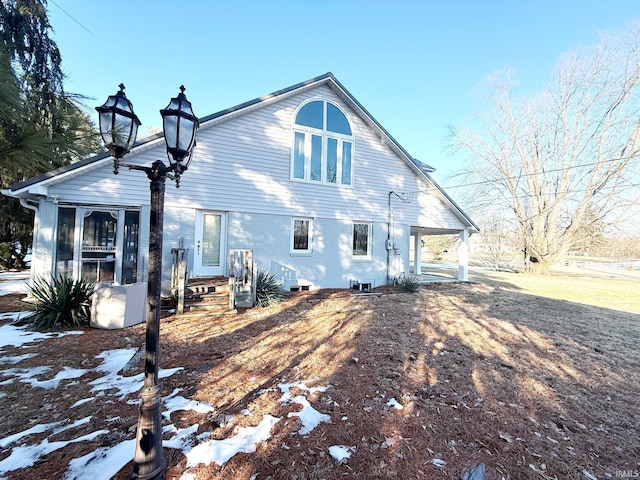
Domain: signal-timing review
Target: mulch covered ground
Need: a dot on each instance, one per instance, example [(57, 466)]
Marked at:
[(529, 386)]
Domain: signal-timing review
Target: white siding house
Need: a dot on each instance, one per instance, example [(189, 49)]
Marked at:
[(305, 177)]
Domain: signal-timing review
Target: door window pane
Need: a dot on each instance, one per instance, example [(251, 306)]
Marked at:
[(211, 224), (65, 241), (130, 247)]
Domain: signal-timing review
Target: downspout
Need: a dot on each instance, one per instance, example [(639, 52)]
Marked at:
[(25, 203), (389, 243)]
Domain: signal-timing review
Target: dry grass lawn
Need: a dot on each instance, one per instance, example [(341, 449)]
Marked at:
[(509, 372)]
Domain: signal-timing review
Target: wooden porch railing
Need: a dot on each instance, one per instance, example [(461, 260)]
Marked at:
[(179, 276), (242, 278)]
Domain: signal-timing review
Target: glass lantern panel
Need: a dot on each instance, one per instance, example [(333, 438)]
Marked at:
[(105, 128), (121, 134), (187, 128), (170, 125)]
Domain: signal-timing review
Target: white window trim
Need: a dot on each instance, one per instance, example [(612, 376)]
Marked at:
[(368, 256), (309, 250), (325, 134)]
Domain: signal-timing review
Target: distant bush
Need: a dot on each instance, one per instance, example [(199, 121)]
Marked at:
[(61, 303), (409, 284), (268, 289)]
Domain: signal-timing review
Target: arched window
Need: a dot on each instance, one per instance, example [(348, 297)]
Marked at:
[(322, 145)]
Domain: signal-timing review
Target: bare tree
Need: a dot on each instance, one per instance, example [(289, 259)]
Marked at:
[(497, 242), (564, 157)]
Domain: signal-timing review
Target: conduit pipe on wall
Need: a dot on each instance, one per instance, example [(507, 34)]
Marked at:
[(389, 242)]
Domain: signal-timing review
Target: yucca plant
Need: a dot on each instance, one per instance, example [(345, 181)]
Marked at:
[(61, 303), (268, 289), (409, 284)]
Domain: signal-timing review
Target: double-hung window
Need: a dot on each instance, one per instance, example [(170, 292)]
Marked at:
[(322, 145), (301, 235)]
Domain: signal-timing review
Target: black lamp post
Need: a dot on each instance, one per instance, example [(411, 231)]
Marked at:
[(118, 127)]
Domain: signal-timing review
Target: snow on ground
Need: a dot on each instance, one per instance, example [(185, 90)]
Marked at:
[(245, 440), (309, 416), (13, 282), (105, 462), (341, 452), (102, 463), (11, 335)]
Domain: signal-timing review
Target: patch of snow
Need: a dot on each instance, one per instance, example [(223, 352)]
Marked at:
[(309, 416), (101, 464), (27, 375), (341, 452), (438, 462), (17, 336), (75, 424), (14, 282), (65, 374), (394, 403), (180, 403), (302, 385), (114, 361), (244, 441), (6, 441), (28, 455), (80, 402), (183, 438), (16, 358)]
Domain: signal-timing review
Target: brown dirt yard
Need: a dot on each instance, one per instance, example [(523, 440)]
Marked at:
[(485, 372)]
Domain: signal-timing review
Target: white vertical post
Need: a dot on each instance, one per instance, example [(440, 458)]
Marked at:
[(417, 254), (463, 257)]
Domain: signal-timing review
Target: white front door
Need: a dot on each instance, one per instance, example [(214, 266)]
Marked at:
[(209, 256)]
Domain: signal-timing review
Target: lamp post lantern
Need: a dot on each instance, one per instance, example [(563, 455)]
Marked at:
[(118, 128)]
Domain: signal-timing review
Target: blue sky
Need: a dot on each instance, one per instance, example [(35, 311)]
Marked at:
[(415, 65)]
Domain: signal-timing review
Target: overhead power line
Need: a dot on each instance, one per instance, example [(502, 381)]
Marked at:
[(532, 174), (72, 18)]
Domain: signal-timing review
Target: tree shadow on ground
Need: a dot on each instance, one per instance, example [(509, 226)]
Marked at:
[(528, 385), (518, 382)]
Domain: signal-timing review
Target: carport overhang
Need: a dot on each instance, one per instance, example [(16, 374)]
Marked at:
[(444, 273)]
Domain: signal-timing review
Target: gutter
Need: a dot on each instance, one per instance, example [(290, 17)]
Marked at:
[(25, 204)]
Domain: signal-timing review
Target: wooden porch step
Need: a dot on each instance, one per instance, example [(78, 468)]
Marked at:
[(207, 296), (200, 313)]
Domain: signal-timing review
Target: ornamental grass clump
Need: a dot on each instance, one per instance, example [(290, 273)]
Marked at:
[(409, 284), (61, 303), (268, 289)]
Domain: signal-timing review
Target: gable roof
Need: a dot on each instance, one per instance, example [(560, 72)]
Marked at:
[(421, 169)]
